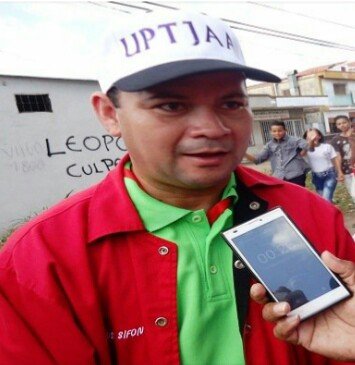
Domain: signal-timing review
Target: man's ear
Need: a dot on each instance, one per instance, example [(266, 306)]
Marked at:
[(106, 112)]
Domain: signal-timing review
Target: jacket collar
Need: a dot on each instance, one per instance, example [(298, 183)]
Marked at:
[(111, 209)]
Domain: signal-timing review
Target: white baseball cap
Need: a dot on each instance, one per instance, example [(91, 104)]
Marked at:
[(165, 45)]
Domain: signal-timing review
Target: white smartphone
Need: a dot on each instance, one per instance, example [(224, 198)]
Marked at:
[(281, 258)]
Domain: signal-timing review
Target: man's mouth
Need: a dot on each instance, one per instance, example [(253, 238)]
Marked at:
[(207, 158), (207, 154)]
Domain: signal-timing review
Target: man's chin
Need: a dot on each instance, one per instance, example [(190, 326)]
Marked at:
[(207, 181)]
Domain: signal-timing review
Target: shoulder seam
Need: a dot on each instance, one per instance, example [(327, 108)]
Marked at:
[(44, 217)]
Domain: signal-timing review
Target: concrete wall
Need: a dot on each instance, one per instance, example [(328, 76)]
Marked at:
[(261, 101), (310, 85), (45, 156), (262, 89)]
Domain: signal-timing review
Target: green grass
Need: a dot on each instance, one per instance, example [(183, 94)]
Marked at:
[(5, 235), (11, 229), (341, 197)]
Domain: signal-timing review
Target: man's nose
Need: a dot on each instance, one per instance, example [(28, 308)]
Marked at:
[(206, 122)]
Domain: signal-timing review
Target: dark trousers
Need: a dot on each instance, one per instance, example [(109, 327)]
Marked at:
[(299, 180)]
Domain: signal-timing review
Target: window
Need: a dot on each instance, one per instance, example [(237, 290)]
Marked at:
[(33, 103), (339, 89), (332, 126)]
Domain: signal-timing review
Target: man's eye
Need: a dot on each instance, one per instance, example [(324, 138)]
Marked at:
[(233, 105), (172, 107)]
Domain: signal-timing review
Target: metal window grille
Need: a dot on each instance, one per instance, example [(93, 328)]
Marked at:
[(33, 103)]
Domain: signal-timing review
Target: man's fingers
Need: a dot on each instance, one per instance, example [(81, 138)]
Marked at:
[(345, 269), (273, 312), (258, 293), (286, 329)]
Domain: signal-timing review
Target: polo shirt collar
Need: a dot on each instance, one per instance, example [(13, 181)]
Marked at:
[(111, 210), (156, 214)]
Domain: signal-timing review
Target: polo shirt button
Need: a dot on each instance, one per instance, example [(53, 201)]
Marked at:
[(239, 265), (213, 269), (163, 250), (161, 322), (254, 205), (247, 328), (196, 219)]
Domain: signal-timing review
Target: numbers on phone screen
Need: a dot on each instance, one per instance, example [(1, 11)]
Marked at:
[(276, 251)]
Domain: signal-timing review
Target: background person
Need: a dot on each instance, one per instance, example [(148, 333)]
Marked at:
[(324, 164), (285, 154), (341, 144), (330, 333), (134, 269)]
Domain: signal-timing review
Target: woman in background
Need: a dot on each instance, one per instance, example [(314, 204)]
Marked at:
[(324, 164)]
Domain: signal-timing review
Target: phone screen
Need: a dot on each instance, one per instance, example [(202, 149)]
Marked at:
[(286, 264)]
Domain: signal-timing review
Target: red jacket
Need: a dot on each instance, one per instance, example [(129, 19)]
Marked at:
[(84, 283)]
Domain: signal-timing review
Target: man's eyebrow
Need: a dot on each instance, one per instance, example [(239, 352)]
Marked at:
[(173, 95), (235, 94), (164, 95)]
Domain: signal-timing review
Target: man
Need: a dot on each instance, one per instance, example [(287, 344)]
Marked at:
[(342, 145), (330, 333), (285, 154), (134, 270)]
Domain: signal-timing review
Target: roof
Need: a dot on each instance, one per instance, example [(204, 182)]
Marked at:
[(318, 69)]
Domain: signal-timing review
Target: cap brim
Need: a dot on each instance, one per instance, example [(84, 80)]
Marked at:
[(169, 71)]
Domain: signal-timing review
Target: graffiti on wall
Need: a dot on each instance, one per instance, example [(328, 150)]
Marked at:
[(75, 145), (25, 157)]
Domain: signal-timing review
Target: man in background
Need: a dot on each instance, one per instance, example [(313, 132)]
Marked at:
[(285, 154)]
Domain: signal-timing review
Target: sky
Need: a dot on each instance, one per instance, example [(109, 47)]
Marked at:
[(62, 39)]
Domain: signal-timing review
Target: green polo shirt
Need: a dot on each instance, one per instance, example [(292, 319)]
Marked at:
[(207, 317)]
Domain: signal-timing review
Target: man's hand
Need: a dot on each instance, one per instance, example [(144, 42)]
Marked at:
[(330, 333)]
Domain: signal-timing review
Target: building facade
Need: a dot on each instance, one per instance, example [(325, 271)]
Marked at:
[(319, 94), (51, 144)]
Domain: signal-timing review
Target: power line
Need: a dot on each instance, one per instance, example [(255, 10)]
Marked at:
[(287, 35), (250, 28), (302, 15), (271, 32), (132, 6), (161, 5), (108, 7)]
